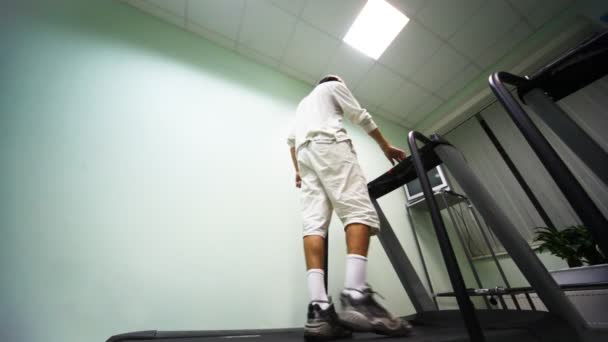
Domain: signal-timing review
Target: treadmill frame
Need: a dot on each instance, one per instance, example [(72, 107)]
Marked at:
[(572, 71)]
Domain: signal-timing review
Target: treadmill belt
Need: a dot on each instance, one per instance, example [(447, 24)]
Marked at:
[(429, 326), (426, 334)]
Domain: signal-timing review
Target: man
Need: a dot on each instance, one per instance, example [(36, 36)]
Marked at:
[(329, 175)]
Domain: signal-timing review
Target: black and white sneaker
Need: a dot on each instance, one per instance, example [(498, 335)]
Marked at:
[(324, 324), (364, 314)]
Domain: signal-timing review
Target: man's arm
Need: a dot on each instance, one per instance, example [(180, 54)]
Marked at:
[(291, 141), (391, 152), (294, 159), (352, 109), (357, 115)]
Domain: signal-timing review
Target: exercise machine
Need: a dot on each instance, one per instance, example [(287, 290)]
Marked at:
[(562, 322), (570, 72)]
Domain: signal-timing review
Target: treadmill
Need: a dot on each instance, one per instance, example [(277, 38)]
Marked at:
[(570, 72), (562, 322)]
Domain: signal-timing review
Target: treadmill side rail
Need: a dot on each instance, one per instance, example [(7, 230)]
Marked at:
[(576, 195), (449, 257), (523, 256), (420, 298)]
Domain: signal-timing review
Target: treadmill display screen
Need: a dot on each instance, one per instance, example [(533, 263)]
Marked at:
[(414, 189)]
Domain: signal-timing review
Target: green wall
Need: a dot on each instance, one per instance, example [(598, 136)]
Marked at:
[(146, 183)]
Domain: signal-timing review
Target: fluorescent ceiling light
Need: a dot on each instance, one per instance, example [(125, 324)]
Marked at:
[(375, 28)]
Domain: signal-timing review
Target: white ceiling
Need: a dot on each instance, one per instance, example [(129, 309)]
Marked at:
[(446, 44)]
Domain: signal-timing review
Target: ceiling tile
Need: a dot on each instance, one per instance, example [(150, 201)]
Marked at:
[(292, 6), (407, 98), (489, 23), (445, 17), (407, 124), (332, 16), (257, 57), (349, 64), (525, 6), (408, 7), (440, 68), (177, 7), (458, 81), (266, 28), (137, 3), (385, 113), (222, 17), (366, 103), (412, 47), (160, 12), (309, 50), (428, 105), (378, 84), (211, 35), (504, 45), (541, 14), (394, 118), (309, 79)]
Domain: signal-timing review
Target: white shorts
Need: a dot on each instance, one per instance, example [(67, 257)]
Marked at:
[(332, 179)]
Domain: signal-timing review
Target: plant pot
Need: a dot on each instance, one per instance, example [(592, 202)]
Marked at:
[(583, 274), (574, 262)]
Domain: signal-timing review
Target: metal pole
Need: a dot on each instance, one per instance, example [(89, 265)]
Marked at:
[(464, 247), (520, 179), (532, 306), (502, 302), (402, 265), (464, 303), (426, 271), (487, 241)]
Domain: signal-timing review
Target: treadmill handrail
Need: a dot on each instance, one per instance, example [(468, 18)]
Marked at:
[(579, 66), (576, 195), (403, 172), (449, 257), (526, 289)]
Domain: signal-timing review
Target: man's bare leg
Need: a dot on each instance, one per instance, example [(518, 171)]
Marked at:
[(314, 251), (361, 312), (357, 239), (357, 246), (322, 320)]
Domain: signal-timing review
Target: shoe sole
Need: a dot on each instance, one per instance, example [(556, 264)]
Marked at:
[(358, 322), (355, 321), (322, 332)]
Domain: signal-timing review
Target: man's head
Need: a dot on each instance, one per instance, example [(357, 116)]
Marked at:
[(330, 78)]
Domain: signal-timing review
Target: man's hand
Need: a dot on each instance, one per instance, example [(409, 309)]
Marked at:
[(298, 180), (393, 154)]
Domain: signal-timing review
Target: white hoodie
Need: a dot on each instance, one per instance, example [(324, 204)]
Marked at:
[(319, 115)]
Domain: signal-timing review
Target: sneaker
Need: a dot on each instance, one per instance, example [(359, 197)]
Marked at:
[(364, 314), (324, 324)]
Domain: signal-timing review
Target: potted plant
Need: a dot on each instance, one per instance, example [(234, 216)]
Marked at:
[(575, 244)]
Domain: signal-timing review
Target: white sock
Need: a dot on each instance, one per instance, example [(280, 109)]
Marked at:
[(356, 275), (316, 287)]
